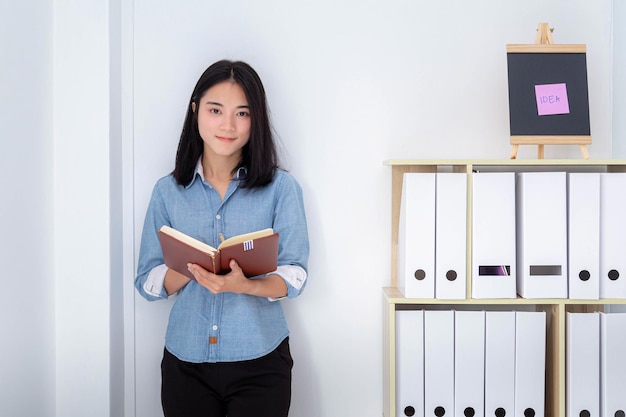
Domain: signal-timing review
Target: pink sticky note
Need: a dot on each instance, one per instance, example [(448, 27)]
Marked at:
[(552, 99)]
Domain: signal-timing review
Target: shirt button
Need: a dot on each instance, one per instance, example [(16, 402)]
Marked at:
[(214, 327), (218, 217)]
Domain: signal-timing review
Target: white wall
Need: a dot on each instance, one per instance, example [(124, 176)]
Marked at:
[(26, 167), (83, 119), (350, 84), (619, 79)]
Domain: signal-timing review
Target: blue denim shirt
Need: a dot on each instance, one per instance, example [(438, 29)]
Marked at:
[(205, 327)]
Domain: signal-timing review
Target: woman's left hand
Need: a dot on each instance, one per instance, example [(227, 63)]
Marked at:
[(234, 281)]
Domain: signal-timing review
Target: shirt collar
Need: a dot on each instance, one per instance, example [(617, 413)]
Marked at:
[(240, 174)]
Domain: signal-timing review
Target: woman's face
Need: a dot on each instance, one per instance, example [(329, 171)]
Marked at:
[(224, 119)]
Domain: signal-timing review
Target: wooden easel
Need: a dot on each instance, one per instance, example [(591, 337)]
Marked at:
[(544, 37)]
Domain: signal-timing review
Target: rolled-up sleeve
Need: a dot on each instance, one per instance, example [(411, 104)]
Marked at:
[(290, 222), (294, 276), (150, 267)]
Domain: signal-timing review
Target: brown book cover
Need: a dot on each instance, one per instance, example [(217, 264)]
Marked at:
[(255, 252)]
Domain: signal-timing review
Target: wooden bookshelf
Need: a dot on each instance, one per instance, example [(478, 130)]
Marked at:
[(556, 309)]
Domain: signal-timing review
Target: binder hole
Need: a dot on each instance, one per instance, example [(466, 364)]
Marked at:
[(613, 274), (584, 413), (584, 275), (469, 412), (440, 411), (529, 412), (500, 412), (420, 274), (409, 411), (451, 275), (619, 413)]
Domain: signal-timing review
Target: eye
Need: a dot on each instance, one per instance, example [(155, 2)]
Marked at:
[(243, 113), (214, 110)]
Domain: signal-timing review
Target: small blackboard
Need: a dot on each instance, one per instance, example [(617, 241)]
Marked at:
[(548, 94)]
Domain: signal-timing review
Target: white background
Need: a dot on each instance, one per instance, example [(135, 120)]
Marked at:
[(93, 98)]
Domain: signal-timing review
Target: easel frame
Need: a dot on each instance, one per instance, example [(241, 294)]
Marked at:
[(544, 43)]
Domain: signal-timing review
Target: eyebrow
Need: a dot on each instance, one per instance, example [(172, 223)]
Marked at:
[(215, 103)]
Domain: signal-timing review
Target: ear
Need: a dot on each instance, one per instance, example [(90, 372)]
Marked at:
[(193, 106)]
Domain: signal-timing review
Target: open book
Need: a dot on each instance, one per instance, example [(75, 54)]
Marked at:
[(255, 252)]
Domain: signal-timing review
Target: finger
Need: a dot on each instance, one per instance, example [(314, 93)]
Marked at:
[(195, 270), (234, 266), (202, 276)]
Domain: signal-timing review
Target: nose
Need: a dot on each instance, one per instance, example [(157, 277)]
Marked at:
[(228, 123)]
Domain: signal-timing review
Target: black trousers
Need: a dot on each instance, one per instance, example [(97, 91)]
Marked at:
[(255, 388)]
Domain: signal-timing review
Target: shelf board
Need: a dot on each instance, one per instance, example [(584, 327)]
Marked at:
[(394, 296), (505, 162)]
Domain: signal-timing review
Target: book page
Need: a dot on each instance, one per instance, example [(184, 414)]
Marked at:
[(188, 240), (245, 237)]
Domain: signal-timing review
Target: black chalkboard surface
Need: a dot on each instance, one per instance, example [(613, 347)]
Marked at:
[(548, 94)]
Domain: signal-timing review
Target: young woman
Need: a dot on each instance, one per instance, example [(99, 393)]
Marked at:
[(226, 346)]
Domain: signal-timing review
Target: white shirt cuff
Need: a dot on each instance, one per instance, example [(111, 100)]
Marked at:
[(155, 281), (294, 275)]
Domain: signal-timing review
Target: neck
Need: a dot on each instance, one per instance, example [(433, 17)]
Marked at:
[(219, 167)]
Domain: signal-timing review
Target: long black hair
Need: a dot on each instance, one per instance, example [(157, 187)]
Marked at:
[(259, 156)]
